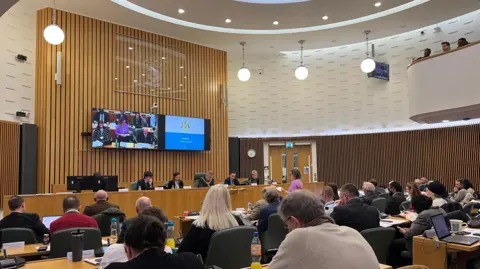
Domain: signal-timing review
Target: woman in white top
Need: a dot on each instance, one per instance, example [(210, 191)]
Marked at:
[(438, 193)]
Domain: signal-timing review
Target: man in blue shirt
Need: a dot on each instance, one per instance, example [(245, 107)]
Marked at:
[(232, 179)]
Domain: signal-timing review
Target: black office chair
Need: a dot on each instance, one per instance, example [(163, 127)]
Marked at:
[(384, 195), (380, 240), (452, 206), (61, 242), (274, 236), (10, 235), (104, 220), (472, 209), (380, 203), (405, 205), (230, 248), (458, 215)]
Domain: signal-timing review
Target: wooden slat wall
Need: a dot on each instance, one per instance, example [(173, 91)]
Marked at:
[(438, 154), (88, 74), (9, 158)]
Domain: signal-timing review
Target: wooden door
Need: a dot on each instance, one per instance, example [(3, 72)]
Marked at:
[(301, 159), (282, 160), (277, 158)]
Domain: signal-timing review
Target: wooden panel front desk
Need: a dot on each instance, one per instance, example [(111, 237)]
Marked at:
[(173, 202)]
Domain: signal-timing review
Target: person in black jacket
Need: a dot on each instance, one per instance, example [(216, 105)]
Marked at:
[(144, 245), (146, 183), (102, 115), (370, 194), (353, 212), (397, 198), (215, 215), (272, 196), (176, 182), (19, 219), (145, 137)]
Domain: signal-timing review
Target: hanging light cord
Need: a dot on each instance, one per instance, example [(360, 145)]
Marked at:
[(54, 15), (368, 54), (301, 54), (243, 55)]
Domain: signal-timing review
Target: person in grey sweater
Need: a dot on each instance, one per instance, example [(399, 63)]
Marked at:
[(462, 188), (304, 214)]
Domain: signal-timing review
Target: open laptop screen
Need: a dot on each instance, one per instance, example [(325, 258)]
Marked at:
[(440, 226), (47, 220)]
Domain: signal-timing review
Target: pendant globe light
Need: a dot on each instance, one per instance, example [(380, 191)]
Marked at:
[(243, 73), (301, 73), (367, 65), (54, 34)]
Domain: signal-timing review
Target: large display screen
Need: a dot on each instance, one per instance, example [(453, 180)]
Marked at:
[(382, 71), (182, 133), (124, 129)]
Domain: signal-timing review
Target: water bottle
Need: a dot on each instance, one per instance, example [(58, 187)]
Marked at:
[(170, 235), (256, 251), (113, 231)]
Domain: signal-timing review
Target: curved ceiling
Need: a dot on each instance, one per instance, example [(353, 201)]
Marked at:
[(248, 18), (260, 16)]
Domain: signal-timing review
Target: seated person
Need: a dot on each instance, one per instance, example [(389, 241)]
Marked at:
[(310, 230), (254, 214), (101, 204), (19, 219), (116, 252), (145, 244), (142, 204), (370, 193), (102, 134), (378, 190), (335, 190), (145, 137), (72, 217), (122, 132), (215, 215), (252, 179), (353, 212), (327, 197), (102, 116), (397, 198), (232, 179), (438, 193), (138, 121), (176, 182), (272, 197), (146, 183), (462, 42), (205, 182)]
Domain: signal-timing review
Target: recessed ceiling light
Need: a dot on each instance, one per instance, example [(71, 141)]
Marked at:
[(275, 23), (181, 11), (128, 66), (153, 90), (377, 4), (445, 121), (116, 78), (228, 21), (181, 85), (185, 77), (325, 18), (163, 58), (135, 81), (130, 48), (143, 75), (181, 67)]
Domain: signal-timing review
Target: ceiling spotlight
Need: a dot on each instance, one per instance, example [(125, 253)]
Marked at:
[(54, 34), (445, 121), (275, 23), (128, 66), (185, 77), (378, 4), (163, 58), (181, 11), (135, 81), (143, 75), (367, 65), (181, 85), (181, 67), (116, 78), (243, 73), (301, 73), (325, 17), (228, 21), (130, 48)]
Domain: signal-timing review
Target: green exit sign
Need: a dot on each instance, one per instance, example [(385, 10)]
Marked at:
[(289, 145)]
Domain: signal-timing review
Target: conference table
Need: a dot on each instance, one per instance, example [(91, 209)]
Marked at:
[(172, 202)]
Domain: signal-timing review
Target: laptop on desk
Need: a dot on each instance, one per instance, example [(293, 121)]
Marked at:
[(47, 220), (444, 234)]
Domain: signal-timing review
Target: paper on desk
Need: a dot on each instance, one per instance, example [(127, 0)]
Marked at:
[(279, 188), (48, 248), (192, 217), (389, 222), (14, 245), (472, 231), (85, 254), (159, 188)]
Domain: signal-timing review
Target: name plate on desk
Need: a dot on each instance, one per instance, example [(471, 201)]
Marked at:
[(123, 190), (14, 245), (159, 188), (85, 254), (187, 187), (254, 184)]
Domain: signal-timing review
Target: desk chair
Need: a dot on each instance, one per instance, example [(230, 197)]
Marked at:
[(405, 206), (380, 240), (384, 195), (274, 236), (61, 241), (10, 235), (457, 214), (104, 221), (230, 248), (380, 203)]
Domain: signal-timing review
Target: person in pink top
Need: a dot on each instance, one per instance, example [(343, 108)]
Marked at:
[(296, 177)]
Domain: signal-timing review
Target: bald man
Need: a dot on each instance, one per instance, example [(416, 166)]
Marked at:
[(141, 204), (101, 204), (370, 194)]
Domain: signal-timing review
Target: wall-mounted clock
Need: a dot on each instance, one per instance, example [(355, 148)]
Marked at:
[(251, 153)]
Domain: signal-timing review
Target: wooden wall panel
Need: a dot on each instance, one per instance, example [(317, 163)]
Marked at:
[(9, 158), (89, 69), (438, 154), (246, 163)]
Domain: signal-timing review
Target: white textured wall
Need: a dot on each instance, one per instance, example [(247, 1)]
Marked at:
[(337, 97), (17, 79)]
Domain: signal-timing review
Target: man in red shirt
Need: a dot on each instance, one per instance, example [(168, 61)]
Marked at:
[(72, 217)]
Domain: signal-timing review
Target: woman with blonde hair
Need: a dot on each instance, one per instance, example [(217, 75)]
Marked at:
[(215, 215)]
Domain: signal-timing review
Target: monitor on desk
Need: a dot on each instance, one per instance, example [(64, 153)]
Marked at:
[(47, 220), (94, 183)]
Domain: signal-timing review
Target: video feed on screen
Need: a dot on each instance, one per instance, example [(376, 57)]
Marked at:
[(124, 129)]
